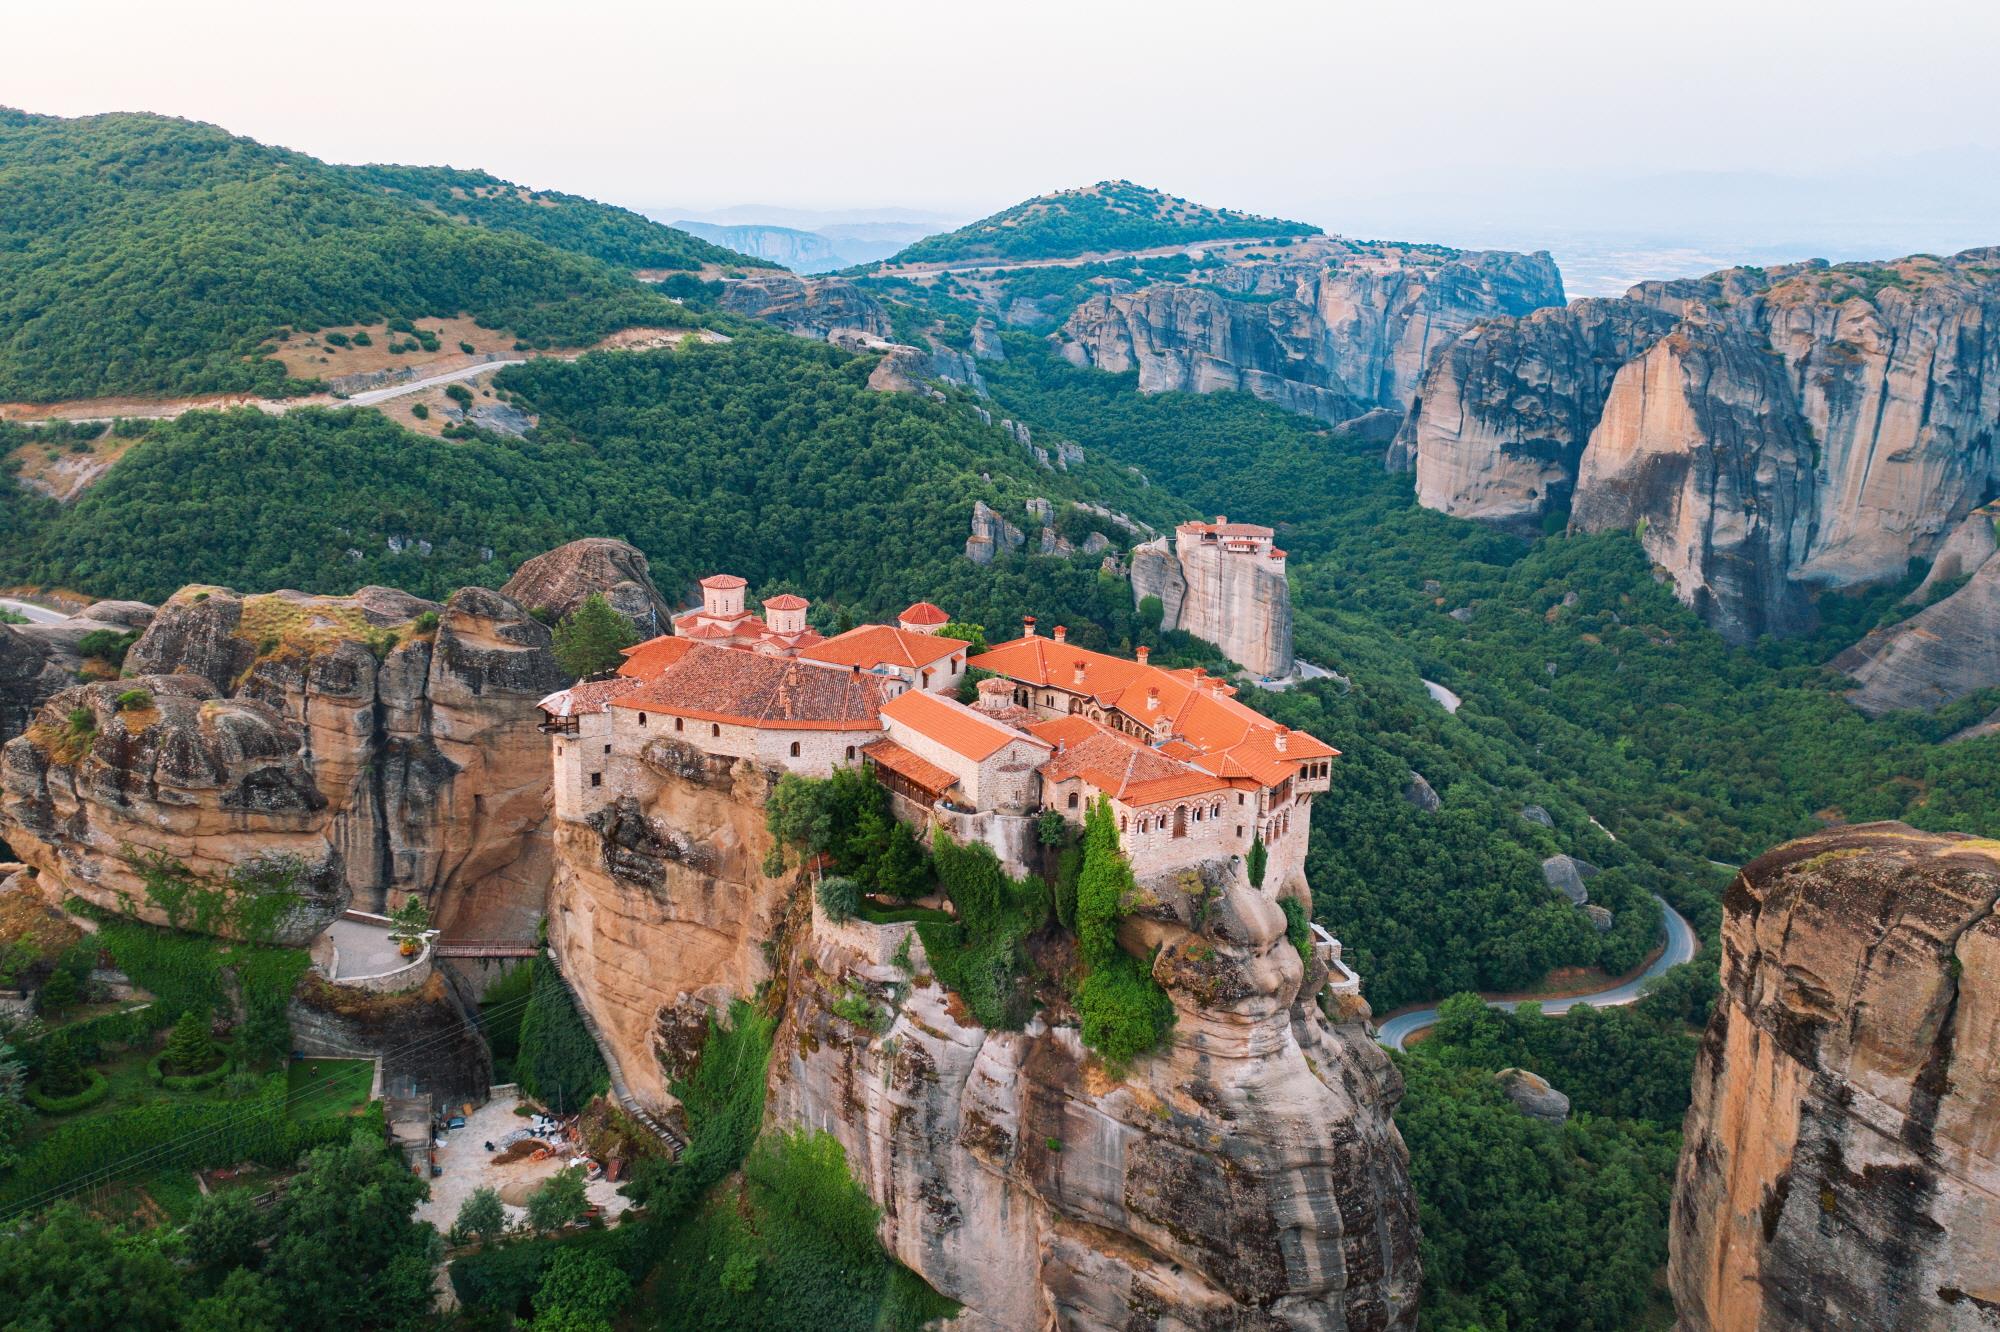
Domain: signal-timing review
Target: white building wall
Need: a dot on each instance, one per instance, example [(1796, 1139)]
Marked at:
[(820, 752)]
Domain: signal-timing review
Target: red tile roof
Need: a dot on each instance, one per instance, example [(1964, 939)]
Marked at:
[(924, 612), (654, 655), (872, 645), (588, 696), (960, 729), (720, 581), (1231, 740), (1229, 529), (752, 689), (1118, 765), (920, 770), (785, 601)]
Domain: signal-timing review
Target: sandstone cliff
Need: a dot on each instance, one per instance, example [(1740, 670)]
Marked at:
[(1238, 601), (1333, 328), (817, 307), (1841, 1162), (1248, 1176), (37, 660), (1828, 423), (387, 742), (555, 583), (1937, 656)]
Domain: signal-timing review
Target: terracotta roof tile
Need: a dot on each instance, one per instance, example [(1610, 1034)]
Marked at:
[(1117, 764), (723, 581), (654, 655), (785, 601), (872, 645), (924, 612), (958, 728), (752, 689), (918, 769), (587, 696)]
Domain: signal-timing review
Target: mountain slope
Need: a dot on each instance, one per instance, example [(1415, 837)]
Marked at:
[(617, 236), (1110, 215), (147, 255)]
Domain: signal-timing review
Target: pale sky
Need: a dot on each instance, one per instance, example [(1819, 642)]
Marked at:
[(1479, 120)]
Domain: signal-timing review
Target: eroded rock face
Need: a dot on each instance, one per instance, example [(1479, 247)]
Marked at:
[(1937, 656), (216, 783), (557, 582), (387, 741), (1334, 329), (38, 660), (1841, 1160), (817, 307), (1775, 430), (1248, 1176)]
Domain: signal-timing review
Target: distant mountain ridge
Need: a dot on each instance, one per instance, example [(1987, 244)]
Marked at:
[(148, 255), (1110, 215)]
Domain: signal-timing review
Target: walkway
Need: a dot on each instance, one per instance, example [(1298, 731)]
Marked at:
[(1681, 946), (365, 950), (36, 614)]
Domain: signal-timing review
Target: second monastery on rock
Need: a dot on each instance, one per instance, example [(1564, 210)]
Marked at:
[(1191, 773)]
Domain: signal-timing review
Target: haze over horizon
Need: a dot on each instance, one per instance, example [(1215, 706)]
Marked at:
[(1442, 121)]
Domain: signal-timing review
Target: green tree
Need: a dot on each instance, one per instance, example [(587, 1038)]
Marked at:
[(223, 1232), (592, 638), (581, 1286), (245, 1303), (410, 920), (61, 1073), (347, 1250), (1255, 861), (190, 1047), (558, 1062), (480, 1216), (839, 897), (975, 634), (58, 994), (558, 1201), (70, 1274)]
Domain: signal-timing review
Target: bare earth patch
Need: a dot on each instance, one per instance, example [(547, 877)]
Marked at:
[(311, 356)]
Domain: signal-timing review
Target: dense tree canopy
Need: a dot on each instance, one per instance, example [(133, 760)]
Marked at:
[(143, 254)]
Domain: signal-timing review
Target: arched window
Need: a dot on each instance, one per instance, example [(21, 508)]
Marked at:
[(680, 724), (795, 749), (1180, 820), (850, 753), (1121, 822), (715, 730), (642, 719), (1072, 800)]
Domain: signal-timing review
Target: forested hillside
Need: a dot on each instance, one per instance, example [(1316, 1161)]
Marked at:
[(142, 254), (1110, 215), (767, 455), (618, 236)]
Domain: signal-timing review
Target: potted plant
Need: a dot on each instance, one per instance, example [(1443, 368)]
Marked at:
[(408, 924)]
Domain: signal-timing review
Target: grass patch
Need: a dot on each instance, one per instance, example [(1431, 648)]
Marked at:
[(322, 1087)]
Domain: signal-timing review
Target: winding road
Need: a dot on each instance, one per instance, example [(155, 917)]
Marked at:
[(36, 614), (1681, 945)]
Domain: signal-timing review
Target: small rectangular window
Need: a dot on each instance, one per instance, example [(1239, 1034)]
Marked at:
[(607, 749), (597, 779), (642, 719)]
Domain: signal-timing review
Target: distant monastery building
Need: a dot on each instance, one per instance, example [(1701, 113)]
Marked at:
[(1191, 773)]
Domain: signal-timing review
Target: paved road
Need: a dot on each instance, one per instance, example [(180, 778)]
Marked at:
[(373, 396), (1680, 948), (1071, 261), (37, 614)]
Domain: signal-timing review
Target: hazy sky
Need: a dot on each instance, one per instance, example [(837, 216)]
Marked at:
[(1478, 119)]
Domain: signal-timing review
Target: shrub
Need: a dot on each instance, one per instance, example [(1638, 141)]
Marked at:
[(1051, 829), (981, 956), (58, 994), (421, 412), (426, 624), (135, 700), (362, 339), (336, 339), (839, 897), (480, 1216), (1298, 926), (191, 1048), (467, 348), (157, 1070), (559, 1200), (1124, 1011), (95, 1087)]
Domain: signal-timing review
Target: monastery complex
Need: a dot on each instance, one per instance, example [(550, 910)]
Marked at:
[(1191, 773)]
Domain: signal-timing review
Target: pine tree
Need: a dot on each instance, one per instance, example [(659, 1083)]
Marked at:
[(592, 638), (62, 1071), (190, 1049)]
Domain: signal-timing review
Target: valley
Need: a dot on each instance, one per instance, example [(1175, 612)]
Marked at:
[(844, 740)]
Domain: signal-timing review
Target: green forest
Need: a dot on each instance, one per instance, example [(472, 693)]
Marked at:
[(146, 255), (1110, 215), (617, 236)]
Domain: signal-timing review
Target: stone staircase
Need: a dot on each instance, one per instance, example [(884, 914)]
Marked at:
[(619, 1091)]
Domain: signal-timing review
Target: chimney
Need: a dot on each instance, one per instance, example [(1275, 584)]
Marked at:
[(1279, 739), (1142, 652), (1220, 519), (1061, 633), (1027, 626), (1080, 666), (1153, 699)]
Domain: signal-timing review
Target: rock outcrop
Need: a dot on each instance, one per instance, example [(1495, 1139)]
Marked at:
[(819, 307), (1224, 587), (1840, 1166), (1767, 432), (38, 660), (991, 534), (1246, 1176), (555, 583), (1334, 328), (1532, 1095), (1938, 656), (386, 742)]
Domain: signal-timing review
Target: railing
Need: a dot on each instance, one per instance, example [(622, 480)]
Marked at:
[(485, 948)]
